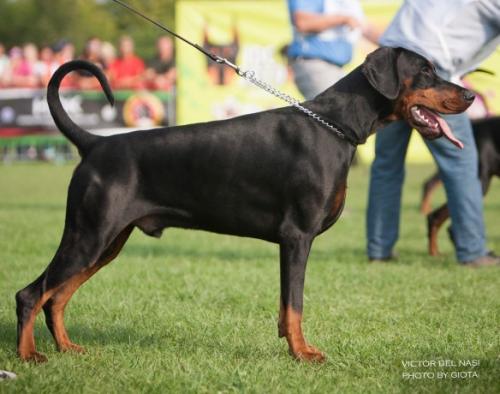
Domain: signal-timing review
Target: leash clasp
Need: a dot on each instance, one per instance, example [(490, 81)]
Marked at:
[(223, 60)]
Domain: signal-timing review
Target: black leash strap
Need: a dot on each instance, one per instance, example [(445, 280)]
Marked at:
[(249, 76)]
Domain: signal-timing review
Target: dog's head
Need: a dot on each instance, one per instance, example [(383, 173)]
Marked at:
[(416, 92)]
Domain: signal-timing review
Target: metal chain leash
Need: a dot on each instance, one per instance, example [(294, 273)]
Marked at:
[(250, 77)]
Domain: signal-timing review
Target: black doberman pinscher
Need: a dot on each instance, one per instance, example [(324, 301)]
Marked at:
[(487, 137), (276, 175)]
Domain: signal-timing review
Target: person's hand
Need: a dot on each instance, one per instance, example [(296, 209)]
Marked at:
[(371, 33), (353, 23)]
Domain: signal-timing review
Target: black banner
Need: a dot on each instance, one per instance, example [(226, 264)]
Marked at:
[(27, 109)]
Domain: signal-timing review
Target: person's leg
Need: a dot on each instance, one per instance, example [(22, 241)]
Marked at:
[(313, 76), (459, 172), (386, 181)]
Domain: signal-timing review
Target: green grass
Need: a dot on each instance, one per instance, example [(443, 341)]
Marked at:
[(196, 312)]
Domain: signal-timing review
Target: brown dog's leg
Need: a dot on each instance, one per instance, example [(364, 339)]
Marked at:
[(293, 258), (434, 222), (54, 308), (429, 187)]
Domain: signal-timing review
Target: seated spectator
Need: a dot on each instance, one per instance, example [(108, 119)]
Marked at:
[(46, 65), (4, 63), (128, 69), (64, 52), (160, 74), (21, 70), (30, 55), (108, 57), (91, 53)]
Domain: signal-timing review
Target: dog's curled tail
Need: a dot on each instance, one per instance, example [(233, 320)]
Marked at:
[(80, 137)]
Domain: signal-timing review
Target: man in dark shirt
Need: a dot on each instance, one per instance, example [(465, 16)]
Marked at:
[(161, 70)]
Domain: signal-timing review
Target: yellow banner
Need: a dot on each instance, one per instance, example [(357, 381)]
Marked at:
[(248, 33)]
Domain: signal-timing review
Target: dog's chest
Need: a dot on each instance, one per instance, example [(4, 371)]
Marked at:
[(335, 206), (338, 202)]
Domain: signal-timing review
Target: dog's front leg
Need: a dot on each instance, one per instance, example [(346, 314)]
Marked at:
[(294, 251)]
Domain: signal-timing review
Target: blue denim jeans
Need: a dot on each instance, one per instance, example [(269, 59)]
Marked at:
[(458, 170)]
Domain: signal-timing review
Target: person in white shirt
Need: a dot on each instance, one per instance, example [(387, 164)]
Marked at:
[(456, 35)]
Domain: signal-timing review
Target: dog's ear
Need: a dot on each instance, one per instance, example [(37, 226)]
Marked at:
[(380, 68)]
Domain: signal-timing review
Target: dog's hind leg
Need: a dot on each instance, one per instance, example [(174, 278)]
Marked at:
[(29, 302), (81, 254), (434, 222), (294, 252), (92, 228), (428, 189), (71, 258), (54, 308)]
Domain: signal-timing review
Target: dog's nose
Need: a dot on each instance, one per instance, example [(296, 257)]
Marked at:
[(469, 95)]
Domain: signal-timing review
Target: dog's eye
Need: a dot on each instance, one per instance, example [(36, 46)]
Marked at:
[(426, 70)]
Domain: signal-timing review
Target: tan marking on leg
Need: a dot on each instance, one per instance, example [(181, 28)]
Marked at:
[(66, 291), (434, 222), (59, 302), (290, 326), (26, 348), (426, 206)]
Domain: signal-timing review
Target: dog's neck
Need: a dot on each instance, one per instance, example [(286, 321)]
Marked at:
[(353, 106)]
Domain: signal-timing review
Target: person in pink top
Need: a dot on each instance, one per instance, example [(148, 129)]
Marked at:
[(21, 71), (4, 63), (46, 65)]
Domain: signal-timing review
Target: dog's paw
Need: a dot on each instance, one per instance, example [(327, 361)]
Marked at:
[(34, 357), (308, 353), (72, 347)]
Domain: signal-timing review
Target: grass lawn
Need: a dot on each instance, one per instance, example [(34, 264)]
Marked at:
[(196, 312)]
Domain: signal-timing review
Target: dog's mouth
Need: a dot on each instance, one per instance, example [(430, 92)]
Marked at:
[(431, 125)]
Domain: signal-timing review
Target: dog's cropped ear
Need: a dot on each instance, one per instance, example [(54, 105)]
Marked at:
[(380, 68)]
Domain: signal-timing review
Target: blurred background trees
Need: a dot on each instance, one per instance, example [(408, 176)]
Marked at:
[(48, 21)]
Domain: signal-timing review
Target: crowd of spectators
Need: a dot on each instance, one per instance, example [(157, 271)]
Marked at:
[(32, 67)]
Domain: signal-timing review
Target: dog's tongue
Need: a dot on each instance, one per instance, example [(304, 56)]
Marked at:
[(448, 133)]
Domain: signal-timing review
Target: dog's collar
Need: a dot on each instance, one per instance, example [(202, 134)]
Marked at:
[(332, 126), (340, 133)]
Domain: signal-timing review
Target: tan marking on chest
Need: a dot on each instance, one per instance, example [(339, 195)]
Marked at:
[(338, 201)]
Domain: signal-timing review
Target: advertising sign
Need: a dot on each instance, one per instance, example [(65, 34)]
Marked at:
[(22, 110)]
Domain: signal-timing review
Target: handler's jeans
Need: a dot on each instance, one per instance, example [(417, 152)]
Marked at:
[(458, 170)]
